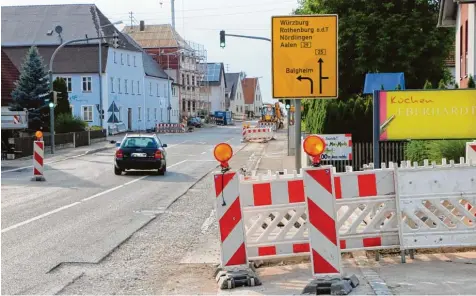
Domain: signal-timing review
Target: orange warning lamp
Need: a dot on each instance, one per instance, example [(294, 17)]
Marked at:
[(223, 153), (38, 135), (314, 146)]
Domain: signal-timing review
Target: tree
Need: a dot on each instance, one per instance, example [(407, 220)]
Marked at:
[(32, 89), (471, 83), (62, 107), (388, 36)]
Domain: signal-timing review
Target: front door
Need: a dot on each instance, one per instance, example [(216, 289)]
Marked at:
[(129, 119)]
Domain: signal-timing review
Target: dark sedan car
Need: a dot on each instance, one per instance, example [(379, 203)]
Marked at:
[(195, 122), (140, 152)]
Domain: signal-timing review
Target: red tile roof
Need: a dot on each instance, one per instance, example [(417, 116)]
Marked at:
[(249, 89), (10, 74)]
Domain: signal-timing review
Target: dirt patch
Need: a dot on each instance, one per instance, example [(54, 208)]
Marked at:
[(191, 279), (394, 252)]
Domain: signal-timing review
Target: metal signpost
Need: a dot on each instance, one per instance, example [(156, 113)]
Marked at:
[(305, 62)]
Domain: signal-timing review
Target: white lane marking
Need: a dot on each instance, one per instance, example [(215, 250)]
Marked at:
[(79, 202), (229, 140), (204, 152), (177, 144), (206, 224), (40, 216)]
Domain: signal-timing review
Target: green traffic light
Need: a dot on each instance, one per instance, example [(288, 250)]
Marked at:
[(222, 45), (51, 105)]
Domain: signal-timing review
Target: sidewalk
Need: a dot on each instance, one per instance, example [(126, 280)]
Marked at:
[(60, 155), (276, 155)]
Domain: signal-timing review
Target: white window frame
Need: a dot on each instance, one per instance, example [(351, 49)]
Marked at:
[(115, 58), (122, 59), (150, 88), (139, 109), (138, 87), (132, 87), (125, 85), (90, 83), (148, 114), (112, 84), (69, 82), (128, 60), (135, 65), (157, 89), (155, 113), (83, 113), (119, 85)]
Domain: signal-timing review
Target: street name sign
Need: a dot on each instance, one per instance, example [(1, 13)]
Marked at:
[(305, 56)]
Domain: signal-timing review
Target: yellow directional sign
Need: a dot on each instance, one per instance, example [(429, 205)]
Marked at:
[(305, 50)]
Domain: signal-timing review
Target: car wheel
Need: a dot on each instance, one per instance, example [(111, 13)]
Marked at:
[(162, 170), (117, 171)]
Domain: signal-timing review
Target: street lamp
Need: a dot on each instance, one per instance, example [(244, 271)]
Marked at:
[(100, 70)]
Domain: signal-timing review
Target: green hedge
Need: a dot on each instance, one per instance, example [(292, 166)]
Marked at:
[(338, 117), (435, 150), (66, 123)]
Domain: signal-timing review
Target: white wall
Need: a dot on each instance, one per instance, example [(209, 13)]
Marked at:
[(239, 101), (156, 101), (258, 100), (120, 72), (471, 42)]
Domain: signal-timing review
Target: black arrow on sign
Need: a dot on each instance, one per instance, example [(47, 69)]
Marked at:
[(300, 78), (320, 61)]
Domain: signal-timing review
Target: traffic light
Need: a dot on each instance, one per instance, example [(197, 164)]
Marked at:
[(115, 40), (288, 102), (222, 39)]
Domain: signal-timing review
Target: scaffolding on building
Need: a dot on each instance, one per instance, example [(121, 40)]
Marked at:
[(198, 54)]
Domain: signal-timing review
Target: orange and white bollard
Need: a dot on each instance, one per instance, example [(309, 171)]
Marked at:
[(38, 158)]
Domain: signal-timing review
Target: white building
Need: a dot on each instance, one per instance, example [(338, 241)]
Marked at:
[(213, 87), (122, 84), (461, 15), (234, 93), (253, 99)]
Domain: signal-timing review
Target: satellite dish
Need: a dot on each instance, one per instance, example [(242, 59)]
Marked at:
[(58, 29)]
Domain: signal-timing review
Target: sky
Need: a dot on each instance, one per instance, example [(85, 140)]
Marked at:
[(201, 21)]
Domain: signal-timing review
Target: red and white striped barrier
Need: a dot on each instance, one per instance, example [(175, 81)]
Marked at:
[(38, 158), (228, 209), (234, 270), (471, 152), (170, 128), (258, 134), (274, 212), (271, 125), (366, 210), (323, 230)]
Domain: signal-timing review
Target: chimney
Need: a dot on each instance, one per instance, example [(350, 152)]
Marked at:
[(142, 26)]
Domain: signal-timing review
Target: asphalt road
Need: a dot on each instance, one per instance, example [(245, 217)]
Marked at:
[(83, 212)]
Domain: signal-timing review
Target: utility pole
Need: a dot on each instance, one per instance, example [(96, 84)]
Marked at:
[(172, 2), (131, 17)]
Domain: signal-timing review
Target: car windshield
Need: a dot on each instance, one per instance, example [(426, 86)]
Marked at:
[(139, 142)]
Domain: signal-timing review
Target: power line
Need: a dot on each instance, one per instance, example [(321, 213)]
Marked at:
[(217, 8)]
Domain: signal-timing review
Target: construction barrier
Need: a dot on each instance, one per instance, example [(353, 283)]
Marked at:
[(272, 125), (274, 212), (436, 206), (471, 151), (257, 134), (38, 159), (322, 213), (366, 209), (170, 128)]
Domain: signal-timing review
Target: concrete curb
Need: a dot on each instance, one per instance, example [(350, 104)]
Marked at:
[(367, 268), (97, 150)]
